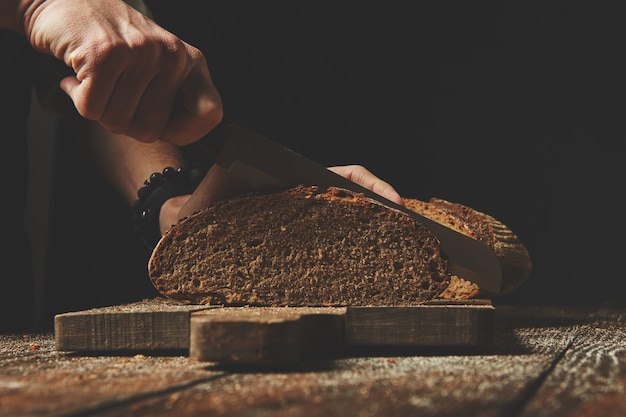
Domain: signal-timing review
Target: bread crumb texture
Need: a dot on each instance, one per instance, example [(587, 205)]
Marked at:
[(299, 247)]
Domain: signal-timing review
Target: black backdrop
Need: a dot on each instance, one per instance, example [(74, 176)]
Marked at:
[(514, 108)]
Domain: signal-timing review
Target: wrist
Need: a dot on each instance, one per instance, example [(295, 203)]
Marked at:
[(158, 190)]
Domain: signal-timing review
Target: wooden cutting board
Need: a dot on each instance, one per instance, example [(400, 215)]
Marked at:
[(271, 335), (148, 325)]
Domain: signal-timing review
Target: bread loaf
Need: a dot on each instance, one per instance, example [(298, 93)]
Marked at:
[(299, 247), (307, 247), (514, 258)]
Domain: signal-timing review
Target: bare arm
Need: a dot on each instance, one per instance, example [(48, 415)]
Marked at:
[(127, 163)]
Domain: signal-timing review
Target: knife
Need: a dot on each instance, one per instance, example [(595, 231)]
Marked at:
[(267, 165)]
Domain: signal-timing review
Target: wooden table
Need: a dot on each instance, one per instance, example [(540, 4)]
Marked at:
[(544, 361)]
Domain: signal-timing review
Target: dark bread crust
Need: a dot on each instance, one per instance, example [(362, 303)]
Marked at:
[(514, 258), (299, 247)]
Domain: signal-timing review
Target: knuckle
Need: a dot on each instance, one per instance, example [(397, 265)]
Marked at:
[(171, 52), (111, 51)]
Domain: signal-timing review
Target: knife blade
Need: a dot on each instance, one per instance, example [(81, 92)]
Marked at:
[(267, 165)]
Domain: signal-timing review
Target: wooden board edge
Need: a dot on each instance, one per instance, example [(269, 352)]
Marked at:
[(266, 335), (458, 325), (141, 326)]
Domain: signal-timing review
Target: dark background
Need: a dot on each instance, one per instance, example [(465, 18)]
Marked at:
[(514, 108)]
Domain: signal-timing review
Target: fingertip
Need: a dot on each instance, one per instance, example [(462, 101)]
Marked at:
[(68, 85), (77, 93), (395, 197)]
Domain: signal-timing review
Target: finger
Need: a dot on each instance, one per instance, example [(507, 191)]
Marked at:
[(125, 102), (90, 91), (386, 190), (139, 108), (188, 126), (154, 109), (366, 179), (200, 108), (151, 113), (144, 95)]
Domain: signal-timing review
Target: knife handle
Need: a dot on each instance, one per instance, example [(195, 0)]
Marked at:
[(212, 143)]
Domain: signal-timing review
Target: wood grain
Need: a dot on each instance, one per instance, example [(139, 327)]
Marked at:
[(266, 335), (271, 335), (557, 362), (155, 324), (435, 324), (588, 378)]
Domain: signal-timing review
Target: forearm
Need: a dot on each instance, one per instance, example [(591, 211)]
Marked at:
[(127, 163)]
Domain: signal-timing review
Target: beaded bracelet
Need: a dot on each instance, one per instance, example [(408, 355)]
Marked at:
[(156, 190)]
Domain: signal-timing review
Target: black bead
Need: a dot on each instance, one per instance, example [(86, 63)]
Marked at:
[(159, 187), (143, 192), (157, 179), (144, 214), (169, 173)]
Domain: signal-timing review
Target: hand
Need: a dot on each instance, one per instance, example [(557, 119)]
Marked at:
[(219, 184), (363, 177), (131, 75)]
